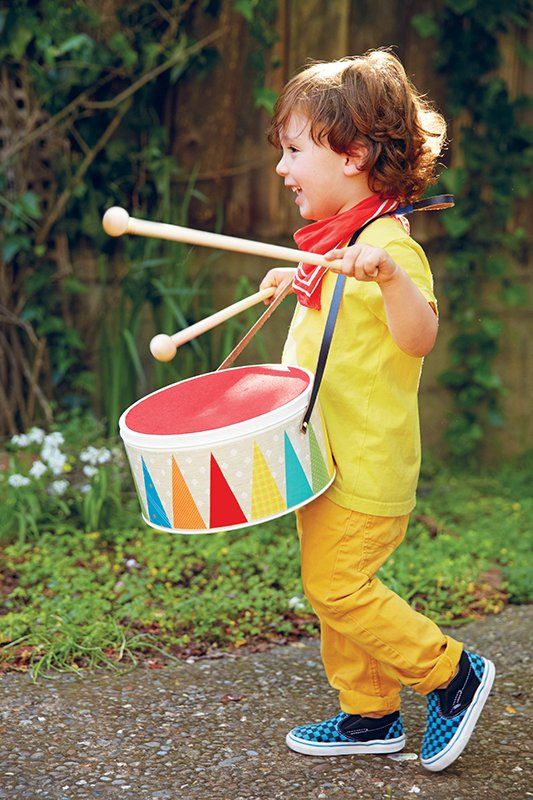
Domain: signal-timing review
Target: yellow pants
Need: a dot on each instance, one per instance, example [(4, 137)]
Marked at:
[(373, 642)]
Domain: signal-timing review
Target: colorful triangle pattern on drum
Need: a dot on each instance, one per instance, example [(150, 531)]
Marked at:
[(156, 511), (185, 511), (266, 497), (319, 471), (298, 488), (225, 509), (138, 481)]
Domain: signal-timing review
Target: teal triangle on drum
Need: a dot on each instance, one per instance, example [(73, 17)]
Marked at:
[(297, 485), (319, 470), (156, 512)]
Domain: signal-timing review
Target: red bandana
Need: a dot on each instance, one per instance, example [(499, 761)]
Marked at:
[(326, 234)]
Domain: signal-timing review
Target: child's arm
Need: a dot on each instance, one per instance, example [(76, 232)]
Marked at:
[(411, 320)]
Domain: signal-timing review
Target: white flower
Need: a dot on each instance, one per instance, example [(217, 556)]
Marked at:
[(56, 462), (54, 438), (90, 454), (104, 455), (89, 471), (131, 563), (85, 488), (58, 487), (36, 435), (296, 603), (55, 459), (414, 790), (20, 439), (38, 469), (49, 449), (17, 480)]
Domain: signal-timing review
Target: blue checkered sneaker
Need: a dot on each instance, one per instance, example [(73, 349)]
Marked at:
[(447, 734), (347, 734)]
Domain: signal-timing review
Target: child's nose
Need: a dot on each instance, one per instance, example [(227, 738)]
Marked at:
[(281, 169)]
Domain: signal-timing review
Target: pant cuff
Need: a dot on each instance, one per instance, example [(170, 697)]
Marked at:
[(444, 668), (356, 703)]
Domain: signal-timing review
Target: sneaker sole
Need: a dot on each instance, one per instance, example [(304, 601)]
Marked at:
[(344, 749), (458, 742)]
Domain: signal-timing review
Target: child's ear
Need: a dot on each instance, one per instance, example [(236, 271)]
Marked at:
[(355, 160)]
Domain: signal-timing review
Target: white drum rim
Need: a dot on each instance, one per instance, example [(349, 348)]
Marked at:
[(251, 523), (178, 441), (236, 437)]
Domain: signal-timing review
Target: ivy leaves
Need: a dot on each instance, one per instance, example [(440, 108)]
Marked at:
[(493, 177)]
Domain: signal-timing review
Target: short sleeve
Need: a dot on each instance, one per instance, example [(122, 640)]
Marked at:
[(411, 258)]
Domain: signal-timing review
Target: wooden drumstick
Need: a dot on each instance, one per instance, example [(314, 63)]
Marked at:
[(117, 221), (164, 347)]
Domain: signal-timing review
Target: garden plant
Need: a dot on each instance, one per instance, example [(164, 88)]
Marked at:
[(86, 582)]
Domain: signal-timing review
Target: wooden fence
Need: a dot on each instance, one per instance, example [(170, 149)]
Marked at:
[(216, 129)]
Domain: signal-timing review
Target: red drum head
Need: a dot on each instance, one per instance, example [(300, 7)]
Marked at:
[(217, 400)]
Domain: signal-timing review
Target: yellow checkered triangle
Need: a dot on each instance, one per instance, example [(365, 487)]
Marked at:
[(266, 497)]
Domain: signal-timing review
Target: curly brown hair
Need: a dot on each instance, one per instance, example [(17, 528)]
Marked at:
[(368, 100)]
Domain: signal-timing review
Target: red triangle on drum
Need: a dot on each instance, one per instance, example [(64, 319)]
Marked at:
[(225, 510)]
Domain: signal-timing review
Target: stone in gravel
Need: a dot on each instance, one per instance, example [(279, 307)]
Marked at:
[(403, 756), (228, 762)]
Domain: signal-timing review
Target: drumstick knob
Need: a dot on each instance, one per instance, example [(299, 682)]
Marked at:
[(163, 347), (116, 221)]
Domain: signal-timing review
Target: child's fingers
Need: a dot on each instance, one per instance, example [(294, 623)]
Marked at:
[(331, 255), (276, 278), (368, 267), (348, 256), (268, 281)]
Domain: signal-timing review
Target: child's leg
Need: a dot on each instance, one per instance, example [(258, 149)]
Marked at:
[(348, 665), (341, 552)]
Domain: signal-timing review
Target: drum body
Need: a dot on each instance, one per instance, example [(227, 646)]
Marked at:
[(225, 450)]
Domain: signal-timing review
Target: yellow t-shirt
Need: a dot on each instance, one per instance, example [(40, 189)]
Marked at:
[(368, 393)]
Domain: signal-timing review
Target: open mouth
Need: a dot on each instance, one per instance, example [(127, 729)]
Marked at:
[(296, 190)]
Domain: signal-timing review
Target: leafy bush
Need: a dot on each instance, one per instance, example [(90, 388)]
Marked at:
[(77, 593), (51, 482)]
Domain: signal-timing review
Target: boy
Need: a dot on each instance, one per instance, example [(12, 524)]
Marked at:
[(358, 140)]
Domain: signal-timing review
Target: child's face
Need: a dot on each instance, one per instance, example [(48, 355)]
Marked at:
[(322, 180)]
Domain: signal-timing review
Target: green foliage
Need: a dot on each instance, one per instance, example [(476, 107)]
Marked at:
[(261, 16), (61, 481), (496, 176), (103, 85), (85, 582)]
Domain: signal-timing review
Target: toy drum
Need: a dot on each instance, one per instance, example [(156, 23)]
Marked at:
[(224, 450)]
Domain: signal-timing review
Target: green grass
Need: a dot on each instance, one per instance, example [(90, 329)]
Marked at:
[(72, 597)]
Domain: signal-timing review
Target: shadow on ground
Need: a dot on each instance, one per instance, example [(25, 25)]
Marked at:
[(215, 730)]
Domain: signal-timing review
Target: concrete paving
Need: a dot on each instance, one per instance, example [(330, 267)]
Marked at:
[(215, 729)]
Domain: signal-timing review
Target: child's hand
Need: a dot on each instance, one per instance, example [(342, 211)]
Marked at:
[(364, 262), (276, 277)]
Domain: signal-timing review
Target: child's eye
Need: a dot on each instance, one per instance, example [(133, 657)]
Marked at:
[(293, 149)]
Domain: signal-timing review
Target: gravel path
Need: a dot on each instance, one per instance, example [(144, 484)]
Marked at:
[(214, 730)]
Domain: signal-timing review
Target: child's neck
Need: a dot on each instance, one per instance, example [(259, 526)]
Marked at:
[(361, 191)]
